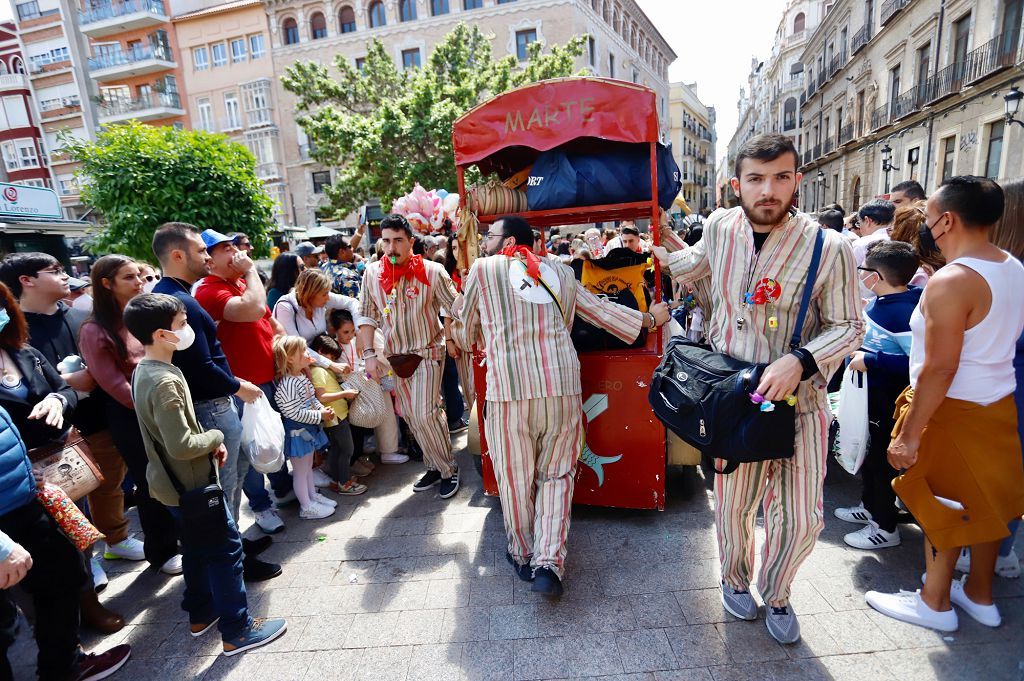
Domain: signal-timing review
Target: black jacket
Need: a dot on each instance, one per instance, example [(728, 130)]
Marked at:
[(41, 379)]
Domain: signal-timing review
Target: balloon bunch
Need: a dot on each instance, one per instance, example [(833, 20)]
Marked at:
[(427, 211)]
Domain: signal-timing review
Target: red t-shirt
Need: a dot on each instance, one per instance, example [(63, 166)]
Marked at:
[(247, 345)]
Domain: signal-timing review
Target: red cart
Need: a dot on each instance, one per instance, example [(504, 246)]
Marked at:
[(624, 458)]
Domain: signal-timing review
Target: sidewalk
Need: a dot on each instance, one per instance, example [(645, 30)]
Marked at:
[(406, 586)]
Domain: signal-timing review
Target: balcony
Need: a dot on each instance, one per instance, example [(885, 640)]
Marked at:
[(269, 171), (860, 39), (151, 107), (13, 81), (111, 18), (817, 151), (995, 55), (137, 61), (880, 116), (59, 107), (837, 62), (822, 79), (907, 103), (891, 8), (827, 146), (846, 133), (803, 98), (808, 157), (231, 124)]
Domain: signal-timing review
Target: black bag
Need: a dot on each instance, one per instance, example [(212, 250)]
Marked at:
[(587, 337), (704, 397)]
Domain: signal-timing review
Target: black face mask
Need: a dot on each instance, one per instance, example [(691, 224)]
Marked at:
[(924, 234)]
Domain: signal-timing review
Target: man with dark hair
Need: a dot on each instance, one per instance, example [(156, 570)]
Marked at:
[(905, 193), (523, 306), (403, 295), (831, 219), (340, 266), (885, 356), (765, 247), (875, 219), (836, 207)]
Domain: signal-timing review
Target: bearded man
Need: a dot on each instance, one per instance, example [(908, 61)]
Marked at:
[(765, 247)]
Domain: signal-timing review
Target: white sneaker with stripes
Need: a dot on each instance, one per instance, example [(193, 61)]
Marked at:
[(853, 514), (871, 536)]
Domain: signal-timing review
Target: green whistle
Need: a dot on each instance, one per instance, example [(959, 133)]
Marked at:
[(394, 259)]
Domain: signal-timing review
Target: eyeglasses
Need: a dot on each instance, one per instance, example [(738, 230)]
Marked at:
[(491, 235), (58, 270), (869, 269), (152, 277)]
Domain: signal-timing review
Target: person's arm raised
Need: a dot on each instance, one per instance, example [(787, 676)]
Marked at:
[(251, 305)]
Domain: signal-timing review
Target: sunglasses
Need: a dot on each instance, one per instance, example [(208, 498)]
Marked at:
[(152, 277)]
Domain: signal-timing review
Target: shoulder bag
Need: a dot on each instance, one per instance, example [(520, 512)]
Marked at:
[(69, 465)]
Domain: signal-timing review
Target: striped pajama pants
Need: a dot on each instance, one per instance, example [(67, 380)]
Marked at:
[(790, 491), (419, 402), (534, 445), (464, 364)]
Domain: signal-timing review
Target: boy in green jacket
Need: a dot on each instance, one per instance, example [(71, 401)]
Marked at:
[(214, 590)]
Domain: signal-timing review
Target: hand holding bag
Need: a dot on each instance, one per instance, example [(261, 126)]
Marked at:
[(263, 433), (69, 465), (852, 439), (369, 409)]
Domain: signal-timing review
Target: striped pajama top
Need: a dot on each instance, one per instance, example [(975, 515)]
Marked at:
[(724, 264), (526, 339)]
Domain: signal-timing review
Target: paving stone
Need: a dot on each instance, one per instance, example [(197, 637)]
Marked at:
[(703, 606), (683, 675), (854, 632), (253, 664), (404, 596), (438, 662), (540, 658), (494, 590), (697, 645), (466, 624), (592, 655), (513, 621), (645, 650), (369, 630), (657, 610), (416, 627), (488, 661), (750, 642)]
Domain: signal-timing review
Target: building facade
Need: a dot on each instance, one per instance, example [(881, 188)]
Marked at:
[(909, 89), (21, 139), (692, 133), (622, 43)]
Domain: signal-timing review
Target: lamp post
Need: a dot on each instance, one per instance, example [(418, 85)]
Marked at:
[(1011, 101), (887, 164), (823, 183)]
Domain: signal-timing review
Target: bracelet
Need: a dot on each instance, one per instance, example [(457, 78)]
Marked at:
[(369, 353), (654, 322)]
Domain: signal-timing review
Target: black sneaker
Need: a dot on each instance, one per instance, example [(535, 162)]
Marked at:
[(254, 547), (256, 570), (524, 571), (456, 427), (430, 479), (546, 582), (449, 486)]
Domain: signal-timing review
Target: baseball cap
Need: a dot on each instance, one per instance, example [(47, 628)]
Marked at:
[(307, 248), (76, 284), (213, 238)]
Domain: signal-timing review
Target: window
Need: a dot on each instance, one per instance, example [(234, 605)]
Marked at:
[(438, 7), (376, 14), (360, 63), (200, 59), (291, 31), (17, 114), (257, 102), (220, 54), (232, 112), (948, 154), (1012, 11), (32, 183), (321, 179), (995, 149), (913, 161), (611, 65), (789, 114), (961, 36), (894, 88), (27, 154), (407, 10), (257, 46), (591, 51), (318, 26), (67, 184), (860, 113), (799, 22), (346, 20), (472, 4), (205, 110), (10, 155), (238, 51), (505, 2), (411, 58), (924, 57), (523, 39)]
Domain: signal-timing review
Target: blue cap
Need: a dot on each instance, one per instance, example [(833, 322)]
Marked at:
[(212, 238)]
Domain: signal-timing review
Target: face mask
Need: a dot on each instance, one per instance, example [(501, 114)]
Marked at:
[(865, 290), (148, 286), (186, 336), (5, 318), (83, 303), (928, 242)]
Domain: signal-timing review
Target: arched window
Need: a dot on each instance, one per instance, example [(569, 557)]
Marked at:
[(438, 7), (376, 14), (318, 26), (407, 10), (789, 114), (606, 12), (798, 22), (3, 68), (290, 28), (17, 66), (346, 20)]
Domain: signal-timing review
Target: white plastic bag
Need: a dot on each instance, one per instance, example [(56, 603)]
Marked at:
[(852, 440), (263, 436)]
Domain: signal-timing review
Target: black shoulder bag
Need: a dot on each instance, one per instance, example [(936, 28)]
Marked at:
[(704, 396)]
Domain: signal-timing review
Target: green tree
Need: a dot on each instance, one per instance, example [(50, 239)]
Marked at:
[(385, 128), (140, 176)]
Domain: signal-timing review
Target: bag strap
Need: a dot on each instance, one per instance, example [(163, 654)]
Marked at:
[(554, 296), (812, 275)]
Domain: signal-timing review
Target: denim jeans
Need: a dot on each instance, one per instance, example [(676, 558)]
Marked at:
[(213, 583), (454, 405), (254, 485), (222, 415)]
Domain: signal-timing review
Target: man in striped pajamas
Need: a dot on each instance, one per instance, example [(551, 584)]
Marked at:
[(523, 308), (745, 255), (403, 295)]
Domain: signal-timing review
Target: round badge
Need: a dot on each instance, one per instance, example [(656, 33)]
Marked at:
[(529, 290), (412, 292)]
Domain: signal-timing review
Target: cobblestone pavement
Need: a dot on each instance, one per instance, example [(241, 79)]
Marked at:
[(405, 586)]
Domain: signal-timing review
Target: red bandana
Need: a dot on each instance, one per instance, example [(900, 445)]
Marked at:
[(532, 262), (391, 274)]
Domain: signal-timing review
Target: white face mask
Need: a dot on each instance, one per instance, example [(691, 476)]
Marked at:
[(83, 303), (186, 336), (148, 286)]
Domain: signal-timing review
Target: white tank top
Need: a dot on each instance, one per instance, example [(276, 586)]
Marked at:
[(985, 374)]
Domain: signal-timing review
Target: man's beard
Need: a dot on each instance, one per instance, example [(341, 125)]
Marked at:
[(766, 216)]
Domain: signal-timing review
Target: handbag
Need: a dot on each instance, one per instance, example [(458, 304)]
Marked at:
[(704, 396), (369, 409), (69, 465), (404, 366), (205, 521), (852, 436)]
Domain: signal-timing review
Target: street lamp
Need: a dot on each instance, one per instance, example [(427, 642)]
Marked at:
[(823, 183), (887, 164), (1011, 100)]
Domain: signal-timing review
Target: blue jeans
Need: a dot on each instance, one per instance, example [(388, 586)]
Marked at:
[(454, 405), (254, 485), (222, 414), (213, 583)]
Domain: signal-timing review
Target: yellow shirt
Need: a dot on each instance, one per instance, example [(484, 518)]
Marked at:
[(322, 378)]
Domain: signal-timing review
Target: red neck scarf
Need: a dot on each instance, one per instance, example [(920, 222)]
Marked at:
[(390, 274), (530, 259)]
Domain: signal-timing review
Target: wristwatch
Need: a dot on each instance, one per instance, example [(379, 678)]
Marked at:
[(369, 353), (654, 322)]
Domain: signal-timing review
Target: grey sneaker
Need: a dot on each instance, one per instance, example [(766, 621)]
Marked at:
[(738, 603), (782, 624)]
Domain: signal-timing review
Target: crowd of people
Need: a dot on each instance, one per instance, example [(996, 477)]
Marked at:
[(156, 368)]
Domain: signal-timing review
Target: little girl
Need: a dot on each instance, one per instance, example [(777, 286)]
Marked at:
[(302, 414)]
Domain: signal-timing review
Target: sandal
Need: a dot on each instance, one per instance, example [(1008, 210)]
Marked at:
[(350, 488)]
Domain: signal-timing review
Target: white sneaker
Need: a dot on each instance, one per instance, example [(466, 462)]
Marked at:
[(128, 549), (172, 566), (324, 501), (853, 514), (269, 521), (871, 536), (1007, 567), (393, 459), (985, 614), (99, 577), (963, 562), (321, 479), (316, 511), (284, 500), (907, 606)]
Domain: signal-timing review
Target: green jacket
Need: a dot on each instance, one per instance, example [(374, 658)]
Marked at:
[(163, 405)]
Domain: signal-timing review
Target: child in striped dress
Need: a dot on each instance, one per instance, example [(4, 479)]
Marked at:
[(303, 415)]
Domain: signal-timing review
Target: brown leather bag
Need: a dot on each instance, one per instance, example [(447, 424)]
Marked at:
[(404, 365), (68, 465)]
